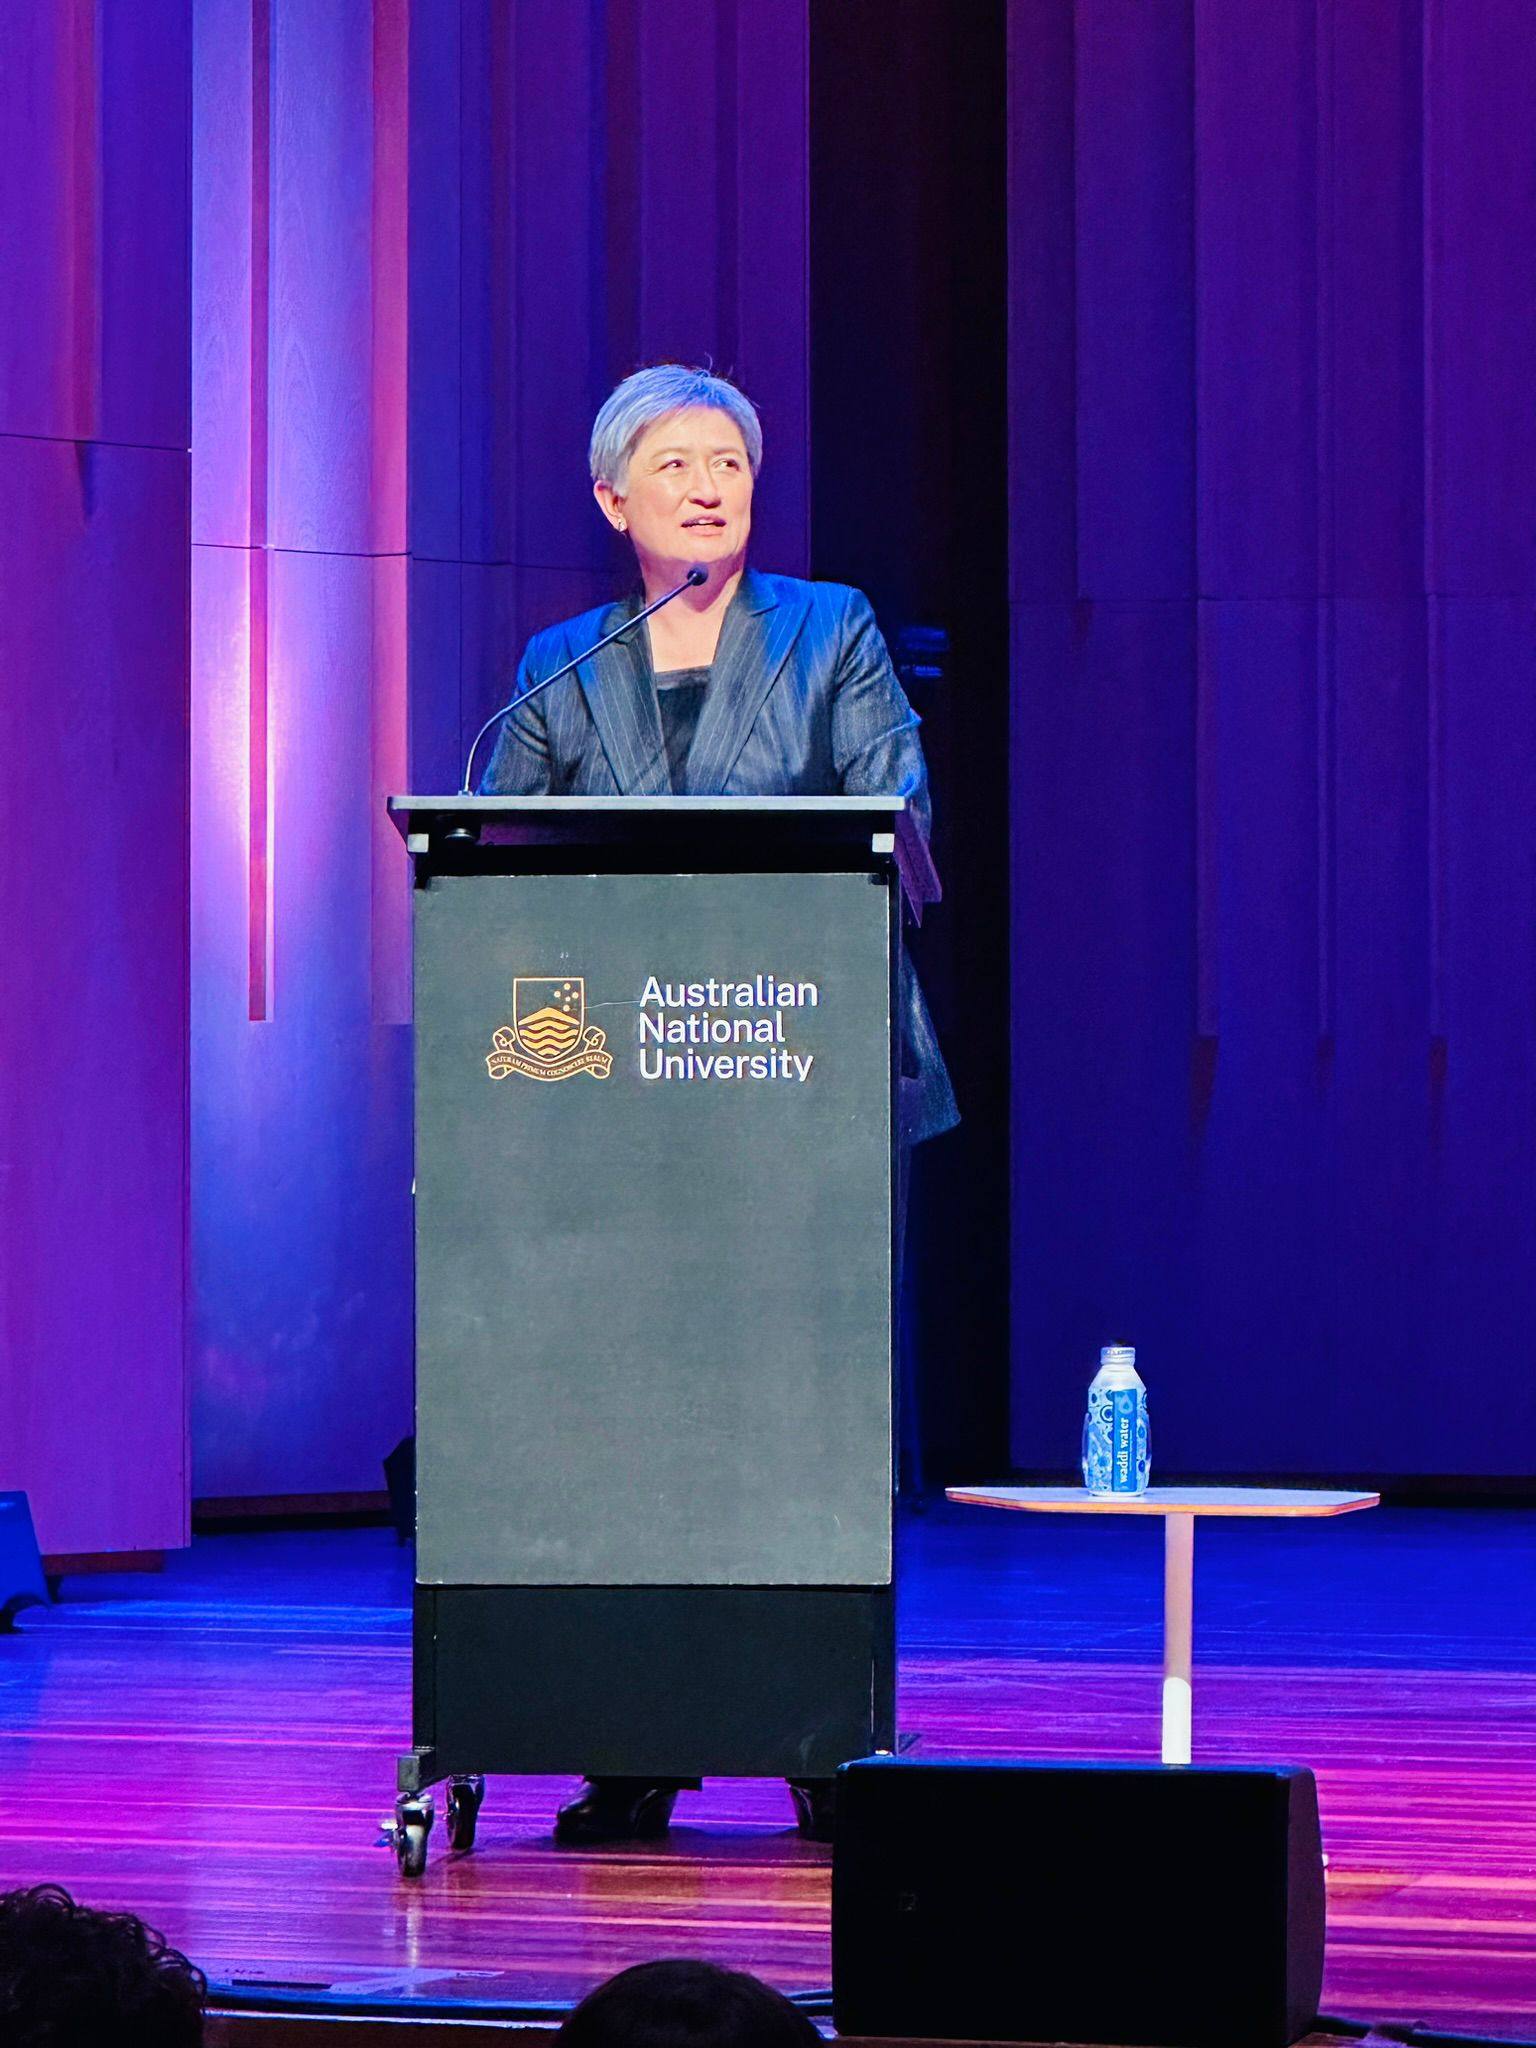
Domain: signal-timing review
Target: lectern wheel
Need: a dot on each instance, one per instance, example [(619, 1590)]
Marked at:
[(413, 1824), (464, 1797)]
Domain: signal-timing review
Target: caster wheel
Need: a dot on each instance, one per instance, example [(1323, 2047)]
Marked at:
[(413, 1824), (464, 1797)]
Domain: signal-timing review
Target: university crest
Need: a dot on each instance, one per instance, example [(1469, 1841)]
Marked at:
[(549, 1038)]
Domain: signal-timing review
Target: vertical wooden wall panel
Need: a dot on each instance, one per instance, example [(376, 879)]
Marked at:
[(1255, 296), (222, 141), (435, 283), (686, 288), (1102, 997), (553, 203), (1484, 1160), (1380, 1076), (768, 124), (322, 367), (1479, 187), (1136, 345), (1042, 426), (1265, 1227), (93, 770), (1373, 337), (301, 1153), (93, 215)]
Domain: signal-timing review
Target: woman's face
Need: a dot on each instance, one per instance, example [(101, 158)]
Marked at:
[(688, 495)]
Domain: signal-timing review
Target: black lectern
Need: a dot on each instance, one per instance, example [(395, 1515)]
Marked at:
[(655, 1202)]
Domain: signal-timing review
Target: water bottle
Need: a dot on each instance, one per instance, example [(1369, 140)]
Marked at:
[(1116, 1440)]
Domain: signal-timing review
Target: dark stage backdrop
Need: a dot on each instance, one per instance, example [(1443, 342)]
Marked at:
[(1273, 452)]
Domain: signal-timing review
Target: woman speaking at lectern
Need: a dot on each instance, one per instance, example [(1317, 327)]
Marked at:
[(743, 684)]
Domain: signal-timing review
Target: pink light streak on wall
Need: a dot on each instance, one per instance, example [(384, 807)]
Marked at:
[(258, 762)]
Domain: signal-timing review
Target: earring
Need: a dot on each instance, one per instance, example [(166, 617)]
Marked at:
[(623, 526)]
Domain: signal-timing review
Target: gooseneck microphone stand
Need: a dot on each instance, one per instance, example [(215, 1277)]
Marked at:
[(696, 575)]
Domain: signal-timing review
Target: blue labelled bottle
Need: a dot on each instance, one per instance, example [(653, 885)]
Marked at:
[(1116, 1440)]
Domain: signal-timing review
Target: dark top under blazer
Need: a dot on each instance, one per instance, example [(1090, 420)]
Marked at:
[(803, 701)]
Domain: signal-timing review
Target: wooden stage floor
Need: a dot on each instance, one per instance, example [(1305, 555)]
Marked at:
[(214, 1748)]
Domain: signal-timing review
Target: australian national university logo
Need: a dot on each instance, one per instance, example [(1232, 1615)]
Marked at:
[(549, 1038)]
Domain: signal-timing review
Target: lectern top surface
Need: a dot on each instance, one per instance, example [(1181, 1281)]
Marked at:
[(711, 821), (731, 806)]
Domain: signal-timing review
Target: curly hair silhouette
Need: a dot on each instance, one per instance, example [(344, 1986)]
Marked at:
[(74, 1977)]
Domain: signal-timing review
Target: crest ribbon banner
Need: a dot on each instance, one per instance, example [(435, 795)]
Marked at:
[(508, 1057)]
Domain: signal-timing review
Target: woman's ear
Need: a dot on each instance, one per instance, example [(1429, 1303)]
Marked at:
[(612, 506)]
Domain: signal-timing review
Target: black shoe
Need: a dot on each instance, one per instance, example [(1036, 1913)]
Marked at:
[(620, 1810), (814, 1807)]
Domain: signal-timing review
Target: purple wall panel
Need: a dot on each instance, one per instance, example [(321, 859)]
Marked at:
[(434, 383), (1344, 872), (301, 1341), (143, 257), (1480, 219), (1042, 279), (48, 225), (1371, 301), (686, 226), (321, 363), (222, 134), (1135, 359), (1264, 1228), (93, 212), (768, 129), (302, 1219), (1484, 1168), (93, 1026), (556, 316), (1256, 308), (93, 656), (1380, 1081), (435, 613), (1102, 998), (484, 433)]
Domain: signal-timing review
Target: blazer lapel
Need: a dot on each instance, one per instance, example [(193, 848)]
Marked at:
[(755, 638), (616, 683)]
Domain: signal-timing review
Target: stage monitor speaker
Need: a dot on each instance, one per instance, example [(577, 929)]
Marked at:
[(1148, 1906), (21, 1569)]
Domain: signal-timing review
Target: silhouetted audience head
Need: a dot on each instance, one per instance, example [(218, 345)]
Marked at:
[(686, 2005), (72, 1977)]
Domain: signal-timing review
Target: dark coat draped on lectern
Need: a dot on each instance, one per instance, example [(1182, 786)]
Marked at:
[(802, 701)]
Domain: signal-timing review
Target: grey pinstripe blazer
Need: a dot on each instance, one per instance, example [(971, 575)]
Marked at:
[(803, 701)]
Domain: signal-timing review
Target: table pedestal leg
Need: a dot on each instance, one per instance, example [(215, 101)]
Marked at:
[(1178, 1614)]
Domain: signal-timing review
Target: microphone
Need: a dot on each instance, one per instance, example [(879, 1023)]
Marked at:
[(696, 575)]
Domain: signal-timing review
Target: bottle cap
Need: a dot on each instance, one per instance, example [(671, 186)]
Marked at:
[(1118, 1354)]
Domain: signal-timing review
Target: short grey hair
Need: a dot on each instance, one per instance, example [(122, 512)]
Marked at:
[(634, 406)]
